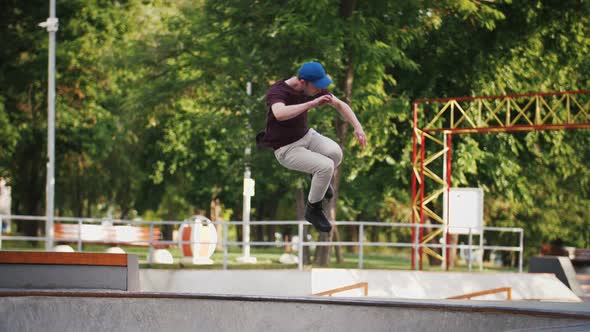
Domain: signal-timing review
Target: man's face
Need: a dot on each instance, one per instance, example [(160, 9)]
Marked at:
[(309, 89)]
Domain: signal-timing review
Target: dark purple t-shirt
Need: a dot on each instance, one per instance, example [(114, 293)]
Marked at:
[(280, 133)]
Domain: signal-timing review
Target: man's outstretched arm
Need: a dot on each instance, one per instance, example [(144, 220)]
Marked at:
[(349, 115), (283, 112)]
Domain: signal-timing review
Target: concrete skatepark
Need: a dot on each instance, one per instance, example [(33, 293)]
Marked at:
[(98, 292), (255, 300), (125, 311), (382, 283)]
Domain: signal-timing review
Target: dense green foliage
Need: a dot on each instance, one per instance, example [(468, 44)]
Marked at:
[(153, 115)]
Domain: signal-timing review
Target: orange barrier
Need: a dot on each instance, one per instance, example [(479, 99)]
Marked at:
[(363, 285), (508, 291)]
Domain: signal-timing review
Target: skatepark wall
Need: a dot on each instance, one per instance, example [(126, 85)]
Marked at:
[(382, 283)]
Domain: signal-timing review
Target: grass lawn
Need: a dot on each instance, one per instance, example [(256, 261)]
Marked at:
[(268, 258)]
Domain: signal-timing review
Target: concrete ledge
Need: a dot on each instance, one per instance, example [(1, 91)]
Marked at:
[(561, 267), (544, 309), (62, 258), (58, 270), (91, 311)]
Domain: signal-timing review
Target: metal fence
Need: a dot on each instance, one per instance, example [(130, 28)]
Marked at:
[(225, 243)]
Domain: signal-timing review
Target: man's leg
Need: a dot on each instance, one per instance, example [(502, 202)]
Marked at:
[(327, 147), (301, 159)]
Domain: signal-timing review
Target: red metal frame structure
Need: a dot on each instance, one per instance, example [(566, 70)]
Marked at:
[(437, 120)]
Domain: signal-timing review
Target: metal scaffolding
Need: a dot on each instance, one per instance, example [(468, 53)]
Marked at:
[(437, 120)]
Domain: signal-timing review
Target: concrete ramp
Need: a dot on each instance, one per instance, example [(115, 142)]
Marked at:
[(126, 311), (442, 285), (382, 283)]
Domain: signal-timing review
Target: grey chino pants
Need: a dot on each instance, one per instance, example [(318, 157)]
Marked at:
[(314, 154)]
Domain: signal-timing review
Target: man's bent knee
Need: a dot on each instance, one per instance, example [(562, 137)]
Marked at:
[(326, 166), (336, 156)]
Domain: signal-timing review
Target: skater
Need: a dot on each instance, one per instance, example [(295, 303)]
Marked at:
[(300, 148)]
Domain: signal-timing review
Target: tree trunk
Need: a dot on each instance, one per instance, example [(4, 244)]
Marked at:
[(453, 239), (300, 213), (338, 249), (354, 238), (238, 212), (215, 215), (88, 208), (29, 185), (79, 198), (323, 253)]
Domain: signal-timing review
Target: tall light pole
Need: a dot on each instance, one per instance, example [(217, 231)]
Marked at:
[(51, 25), (248, 193)]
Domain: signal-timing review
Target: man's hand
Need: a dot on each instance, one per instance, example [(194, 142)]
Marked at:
[(359, 134), (319, 101)]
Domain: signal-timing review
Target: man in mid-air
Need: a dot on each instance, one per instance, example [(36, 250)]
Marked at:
[(300, 148)]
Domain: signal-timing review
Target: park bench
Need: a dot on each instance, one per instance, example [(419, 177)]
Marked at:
[(581, 257), (108, 234)]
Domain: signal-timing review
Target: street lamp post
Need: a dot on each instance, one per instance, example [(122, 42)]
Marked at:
[(248, 192), (51, 25)]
